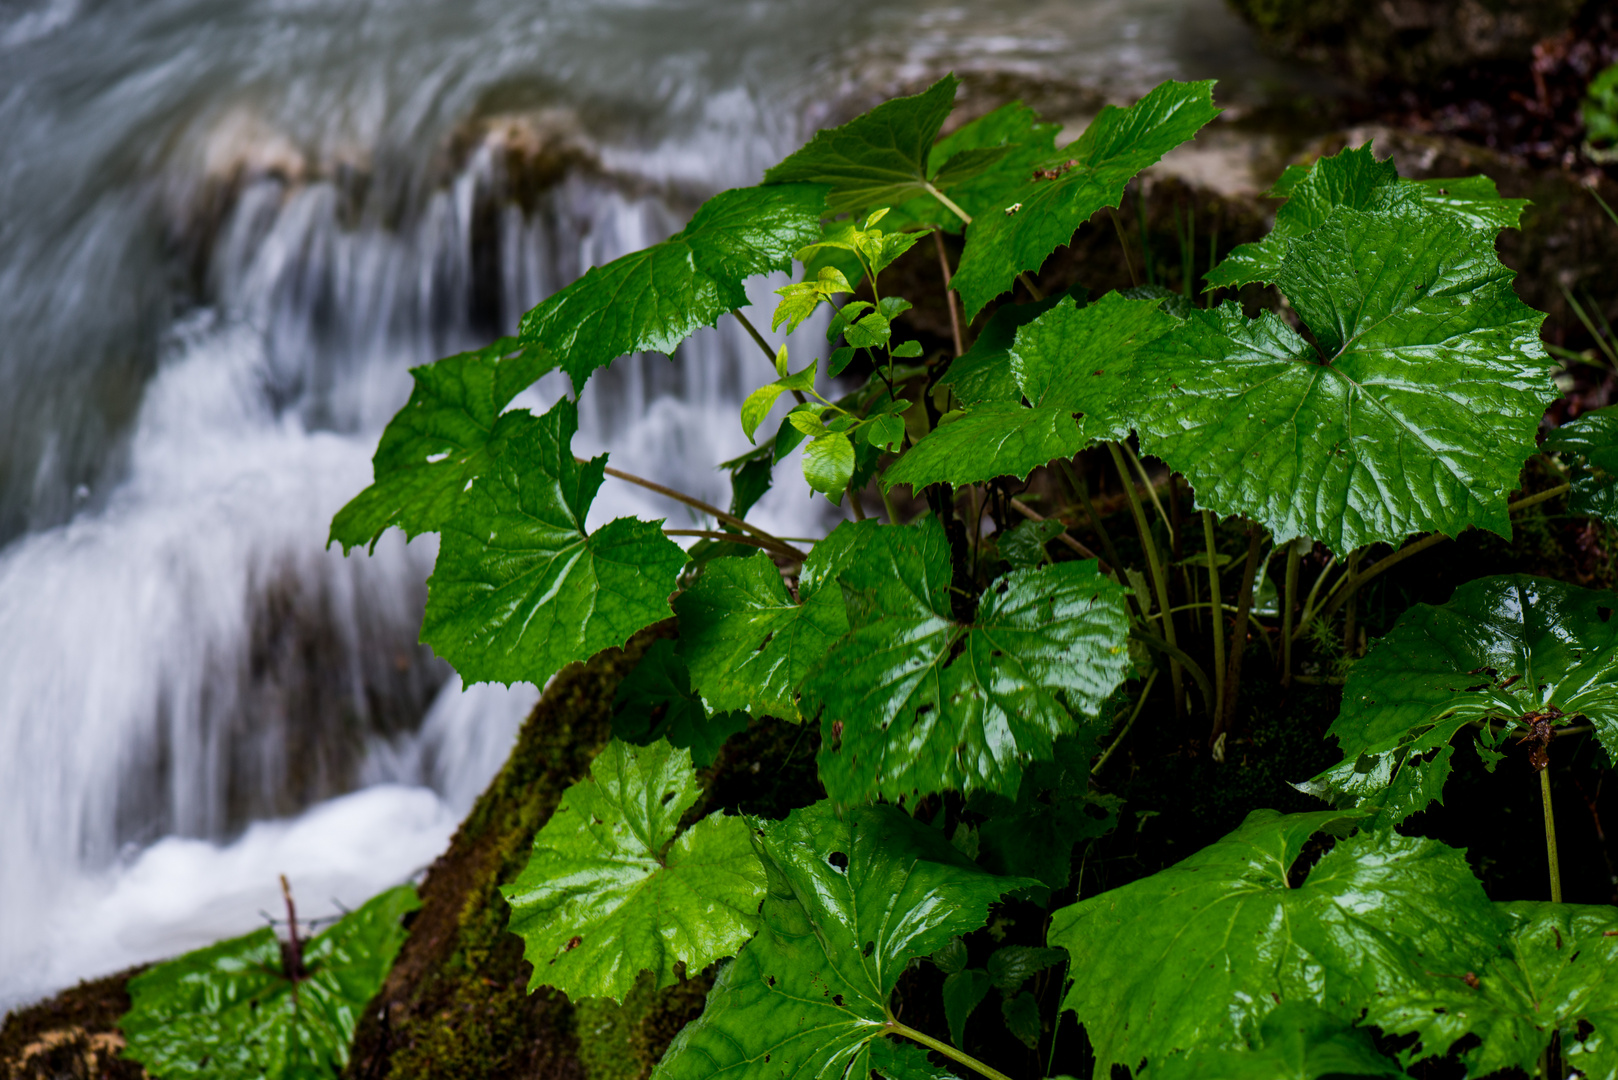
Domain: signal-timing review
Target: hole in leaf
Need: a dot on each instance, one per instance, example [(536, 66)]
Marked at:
[(770, 979), (1603, 613), (870, 947), (1584, 1029), (837, 1000), (767, 639), (839, 861), (668, 797)]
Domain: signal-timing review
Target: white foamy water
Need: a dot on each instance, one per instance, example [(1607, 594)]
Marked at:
[(227, 229)]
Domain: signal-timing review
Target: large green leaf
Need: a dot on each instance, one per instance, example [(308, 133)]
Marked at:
[(747, 644), (979, 164), (1502, 648), (520, 588), (610, 891), (1199, 954), (854, 895), (1296, 1042), (654, 299), (656, 702), (439, 441), (983, 372), (1061, 361), (1413, 411), (1034, 835), (876, 159), (1559, 974), (910, 701), (1592, 441), (1042, 214), (229, 1010), (1356, 180)]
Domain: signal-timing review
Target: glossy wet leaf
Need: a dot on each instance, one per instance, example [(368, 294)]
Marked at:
[(876, 159), (1503, 647), (758, 404), (1023, 545), (1025, 143), (653, 299), (1118, 144), (439, 441), (520, 588), (228, 1011), (1068, 360), (1296, 1042), (1354, 179), (656, 702), (983, 372), (1388, 786), (1557, 973), (1414, 412), (853, 897), (1013, 965), (1201, 953), (610, 890), (909, 701), (747, 643), (828, 464), (1591, 442)]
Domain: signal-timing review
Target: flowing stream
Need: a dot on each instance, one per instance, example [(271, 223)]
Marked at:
[(227, 229)]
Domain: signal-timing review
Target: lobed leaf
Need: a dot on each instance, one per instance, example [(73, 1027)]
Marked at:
[(653, 299), (610, 891), (520, 588), (748, 645), (1092, 173), (910, 702), (439, 441), (1414, 413), (1200, 954), (854, 896), (1069, 359), (876, 159), (1502, 648), (229, 1010), (1355, 180), (1556, 976)]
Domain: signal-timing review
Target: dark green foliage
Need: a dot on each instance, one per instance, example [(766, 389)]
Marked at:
[(520, 588), (232, 1010), (657, 702)]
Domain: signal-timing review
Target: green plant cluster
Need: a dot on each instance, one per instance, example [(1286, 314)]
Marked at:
[(963, 684)]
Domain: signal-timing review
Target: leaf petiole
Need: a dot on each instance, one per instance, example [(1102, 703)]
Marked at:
[(894, 1027)]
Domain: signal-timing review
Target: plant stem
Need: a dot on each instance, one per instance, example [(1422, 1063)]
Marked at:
[(707, 508), (769, 353), (1145, 690), (1028, 283), (894, 1027), (1123, 245), (1159, 583), (1034, 515), (729, 538), (1082, 490), (966, 219), (1550, 835), (1180, 656), (1151, 490), (294, 957), (1291, 600), (1238, 634), (1309, 613), (887, 504), (1218, 618), (949, 294), (854, 504)]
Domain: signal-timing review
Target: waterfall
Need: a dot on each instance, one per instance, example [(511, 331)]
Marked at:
[(227, 230)]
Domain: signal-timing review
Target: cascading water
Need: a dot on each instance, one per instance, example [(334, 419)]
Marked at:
[(227, 228)]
